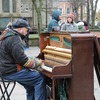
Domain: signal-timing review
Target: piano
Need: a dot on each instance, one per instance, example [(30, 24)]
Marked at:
[(68, 56), (97, 56)]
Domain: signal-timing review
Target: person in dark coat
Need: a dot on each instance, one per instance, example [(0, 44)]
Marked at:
[(53, 25), (86, 25), (17, 66), (26, 39)]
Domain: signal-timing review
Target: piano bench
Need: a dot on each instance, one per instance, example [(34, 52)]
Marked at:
[(6, 88)]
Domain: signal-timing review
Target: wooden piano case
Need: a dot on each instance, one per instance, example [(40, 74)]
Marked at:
[(97, 57), (79, 70)]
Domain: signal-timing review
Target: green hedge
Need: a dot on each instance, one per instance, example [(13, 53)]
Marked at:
[(34, 40), (33, 36), (96, 30)]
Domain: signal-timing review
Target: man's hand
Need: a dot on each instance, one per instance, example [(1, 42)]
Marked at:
[(38, 62)]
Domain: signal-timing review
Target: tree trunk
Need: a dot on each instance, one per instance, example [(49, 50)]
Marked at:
[(93, 12), (81, 11), (88, 12), (39, 16)]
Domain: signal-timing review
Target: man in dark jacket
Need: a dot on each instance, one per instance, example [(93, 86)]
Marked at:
[(56, 17), (15, 65)]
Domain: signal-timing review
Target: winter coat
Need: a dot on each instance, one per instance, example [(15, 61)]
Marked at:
[(81, 26), (54, 21), (12, 56), (69, 27)]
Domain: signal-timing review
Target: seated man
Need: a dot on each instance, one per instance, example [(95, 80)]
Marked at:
[(15, 65)]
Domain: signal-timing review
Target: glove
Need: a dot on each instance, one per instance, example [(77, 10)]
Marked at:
[(38, 62)]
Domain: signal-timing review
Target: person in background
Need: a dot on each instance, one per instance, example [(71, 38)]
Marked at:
[(26, 39), (86, 25), (81, 26), (16, 65), (70, 25), (53, 25)]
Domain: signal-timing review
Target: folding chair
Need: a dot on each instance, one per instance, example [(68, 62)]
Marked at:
[(6, 87)]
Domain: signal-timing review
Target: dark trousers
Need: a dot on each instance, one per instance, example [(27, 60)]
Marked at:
[(33, 81)]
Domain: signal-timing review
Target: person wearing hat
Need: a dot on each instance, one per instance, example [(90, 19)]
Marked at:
[(70, 25), (15, 65), (53, 25)]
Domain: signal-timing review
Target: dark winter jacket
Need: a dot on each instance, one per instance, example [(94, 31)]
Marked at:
[(54, 21), (12, 56)]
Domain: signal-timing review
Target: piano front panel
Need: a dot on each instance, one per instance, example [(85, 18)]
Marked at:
[(57, 53), (44, 40), (68, 56), (59, 59), (60, 40), (56, 48)]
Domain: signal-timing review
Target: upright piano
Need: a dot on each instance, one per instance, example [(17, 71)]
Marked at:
[(68, 56)]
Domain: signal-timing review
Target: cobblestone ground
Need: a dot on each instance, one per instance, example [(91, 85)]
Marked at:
[(19, 92)]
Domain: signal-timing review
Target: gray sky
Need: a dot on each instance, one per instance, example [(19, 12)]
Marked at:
[(98, 5)]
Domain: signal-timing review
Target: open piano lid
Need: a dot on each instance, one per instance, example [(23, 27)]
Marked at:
[(97, 57)]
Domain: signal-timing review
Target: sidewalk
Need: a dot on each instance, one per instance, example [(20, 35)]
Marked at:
[(19, 91)]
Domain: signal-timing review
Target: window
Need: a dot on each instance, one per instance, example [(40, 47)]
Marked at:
[(6, 5), (4, 22), (68, 10), (14, 5)]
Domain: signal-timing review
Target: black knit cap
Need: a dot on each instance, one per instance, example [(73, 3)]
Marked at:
[(20, 23)]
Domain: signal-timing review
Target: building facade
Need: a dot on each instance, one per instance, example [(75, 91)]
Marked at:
[(67, 7), (11, 10)]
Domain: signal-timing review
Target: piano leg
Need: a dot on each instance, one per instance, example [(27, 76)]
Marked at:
[(53, 88)]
